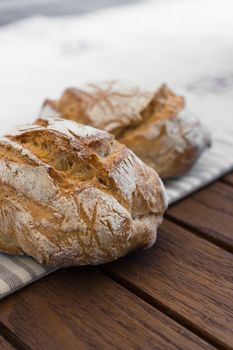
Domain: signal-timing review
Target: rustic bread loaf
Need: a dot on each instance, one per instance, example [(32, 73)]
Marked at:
[(154, 125), (73, 195)]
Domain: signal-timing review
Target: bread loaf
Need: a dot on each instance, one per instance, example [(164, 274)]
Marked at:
[(154, 125), (73, 195)]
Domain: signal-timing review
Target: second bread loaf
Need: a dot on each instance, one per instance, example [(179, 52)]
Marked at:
[(154, 125)]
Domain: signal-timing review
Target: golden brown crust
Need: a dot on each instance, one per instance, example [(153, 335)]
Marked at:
[(73, 195), (156, 126), (107, 106)]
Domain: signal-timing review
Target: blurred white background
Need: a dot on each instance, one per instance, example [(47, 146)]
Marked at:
[(12, 10), (187, 44)]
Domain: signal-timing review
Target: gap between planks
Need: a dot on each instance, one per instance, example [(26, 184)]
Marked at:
[(165, 310), (5, 345), (178, 220), (218, 242), (161, 322), (8, 335)]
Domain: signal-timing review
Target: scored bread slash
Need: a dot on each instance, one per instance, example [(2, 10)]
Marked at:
[(73, 195), (155, 125)]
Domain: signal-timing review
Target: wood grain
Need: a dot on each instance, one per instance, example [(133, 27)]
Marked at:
[(83, 309), (4, 345), (189, 277), (209, 211)]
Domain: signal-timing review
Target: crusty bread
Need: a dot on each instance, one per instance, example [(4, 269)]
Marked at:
[(73, 195), (154, 125)]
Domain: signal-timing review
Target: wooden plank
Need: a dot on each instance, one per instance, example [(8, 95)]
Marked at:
[(228, 179), (210, 211), (4, 345), (189, 277), (83, 309)]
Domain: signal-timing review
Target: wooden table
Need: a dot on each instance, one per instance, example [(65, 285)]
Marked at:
[(176, 295)]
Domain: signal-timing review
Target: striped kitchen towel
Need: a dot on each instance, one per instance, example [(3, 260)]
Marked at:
[(18, 271)]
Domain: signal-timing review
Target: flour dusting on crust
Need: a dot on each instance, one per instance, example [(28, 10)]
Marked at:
[(73, 195), (155, 125)]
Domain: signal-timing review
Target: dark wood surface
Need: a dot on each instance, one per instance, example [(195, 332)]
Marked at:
[(188, 277), (209, 213), (228, 179), (84, 309), (4, 345), (176, 295)]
